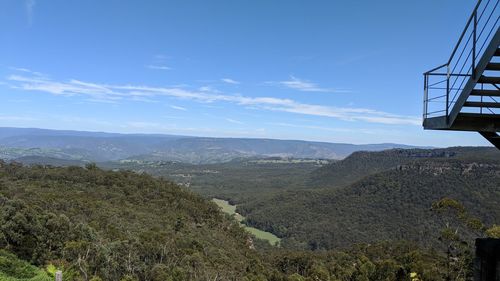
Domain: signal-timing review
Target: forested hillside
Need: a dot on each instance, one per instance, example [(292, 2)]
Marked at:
[(103, 225), (115, 224), (237, 181), (390, 205), (121, 225)]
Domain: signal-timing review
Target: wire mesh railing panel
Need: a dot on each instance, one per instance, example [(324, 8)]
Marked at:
[(444, 84)]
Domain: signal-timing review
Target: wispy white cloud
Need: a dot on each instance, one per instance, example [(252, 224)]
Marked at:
[(116, 93), (178, 107), (16, 118), (321, 128), (143, 125), (19, 100), (234, 121), (171, 117), (25, 70), (209, 89), (304, 86), (143, 99), (159, 63), (230, 81), (101, 101), (334, 129), (160, 57), (172, 128), (30, 10), (71, 88), (20, 69), (158, 67), (80, 120)]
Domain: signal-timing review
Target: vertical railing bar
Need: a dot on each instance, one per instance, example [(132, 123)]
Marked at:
[(426, 101), (447, 91), (481, 109), (474, 47)]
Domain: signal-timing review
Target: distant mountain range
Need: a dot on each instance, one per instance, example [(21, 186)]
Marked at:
[(100, 147)]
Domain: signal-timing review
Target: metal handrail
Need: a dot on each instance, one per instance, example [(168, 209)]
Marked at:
[(436, 68), (472, 16), (464, 67)]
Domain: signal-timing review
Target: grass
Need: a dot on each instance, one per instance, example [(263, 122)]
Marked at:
[(271, 238), (225, 206), (260, 234)]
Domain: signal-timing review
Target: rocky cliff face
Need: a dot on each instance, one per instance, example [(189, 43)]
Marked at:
[(439, 168)]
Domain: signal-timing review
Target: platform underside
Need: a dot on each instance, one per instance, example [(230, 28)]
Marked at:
[(465, 122)]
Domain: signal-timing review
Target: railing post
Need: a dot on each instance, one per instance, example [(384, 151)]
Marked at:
[(447, 90), (474, 46), (426, 83), (481, 108)]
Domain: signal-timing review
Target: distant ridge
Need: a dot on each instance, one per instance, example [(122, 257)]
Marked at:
[(362, 163), (101, 146)]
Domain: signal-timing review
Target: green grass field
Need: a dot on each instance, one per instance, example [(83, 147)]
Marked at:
[(260, 234), (225, 206)]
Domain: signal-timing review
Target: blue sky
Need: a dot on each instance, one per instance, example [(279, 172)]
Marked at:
[(336, 71)]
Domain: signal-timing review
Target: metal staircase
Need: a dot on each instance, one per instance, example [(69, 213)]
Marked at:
[(464, 93)]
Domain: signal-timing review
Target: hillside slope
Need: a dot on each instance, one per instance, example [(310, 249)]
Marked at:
[(126, 226), (113, 224), (390, 205), (364, 163)]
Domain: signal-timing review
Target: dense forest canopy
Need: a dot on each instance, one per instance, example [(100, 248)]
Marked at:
[(390, 205), (102, 225), (97, 224), (118, 223)]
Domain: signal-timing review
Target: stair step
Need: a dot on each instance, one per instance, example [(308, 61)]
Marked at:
[(493, 66), (489, 93), (497, 52), (470, 116), (489, 80), (482, 104), (492, 137)]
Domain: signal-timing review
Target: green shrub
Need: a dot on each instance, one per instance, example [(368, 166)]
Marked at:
[(10, 265), (14, 269)]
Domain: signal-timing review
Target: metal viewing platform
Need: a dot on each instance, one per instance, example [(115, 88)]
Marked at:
[(464, 93)]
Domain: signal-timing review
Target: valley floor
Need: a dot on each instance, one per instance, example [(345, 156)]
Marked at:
[(259, 234)]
